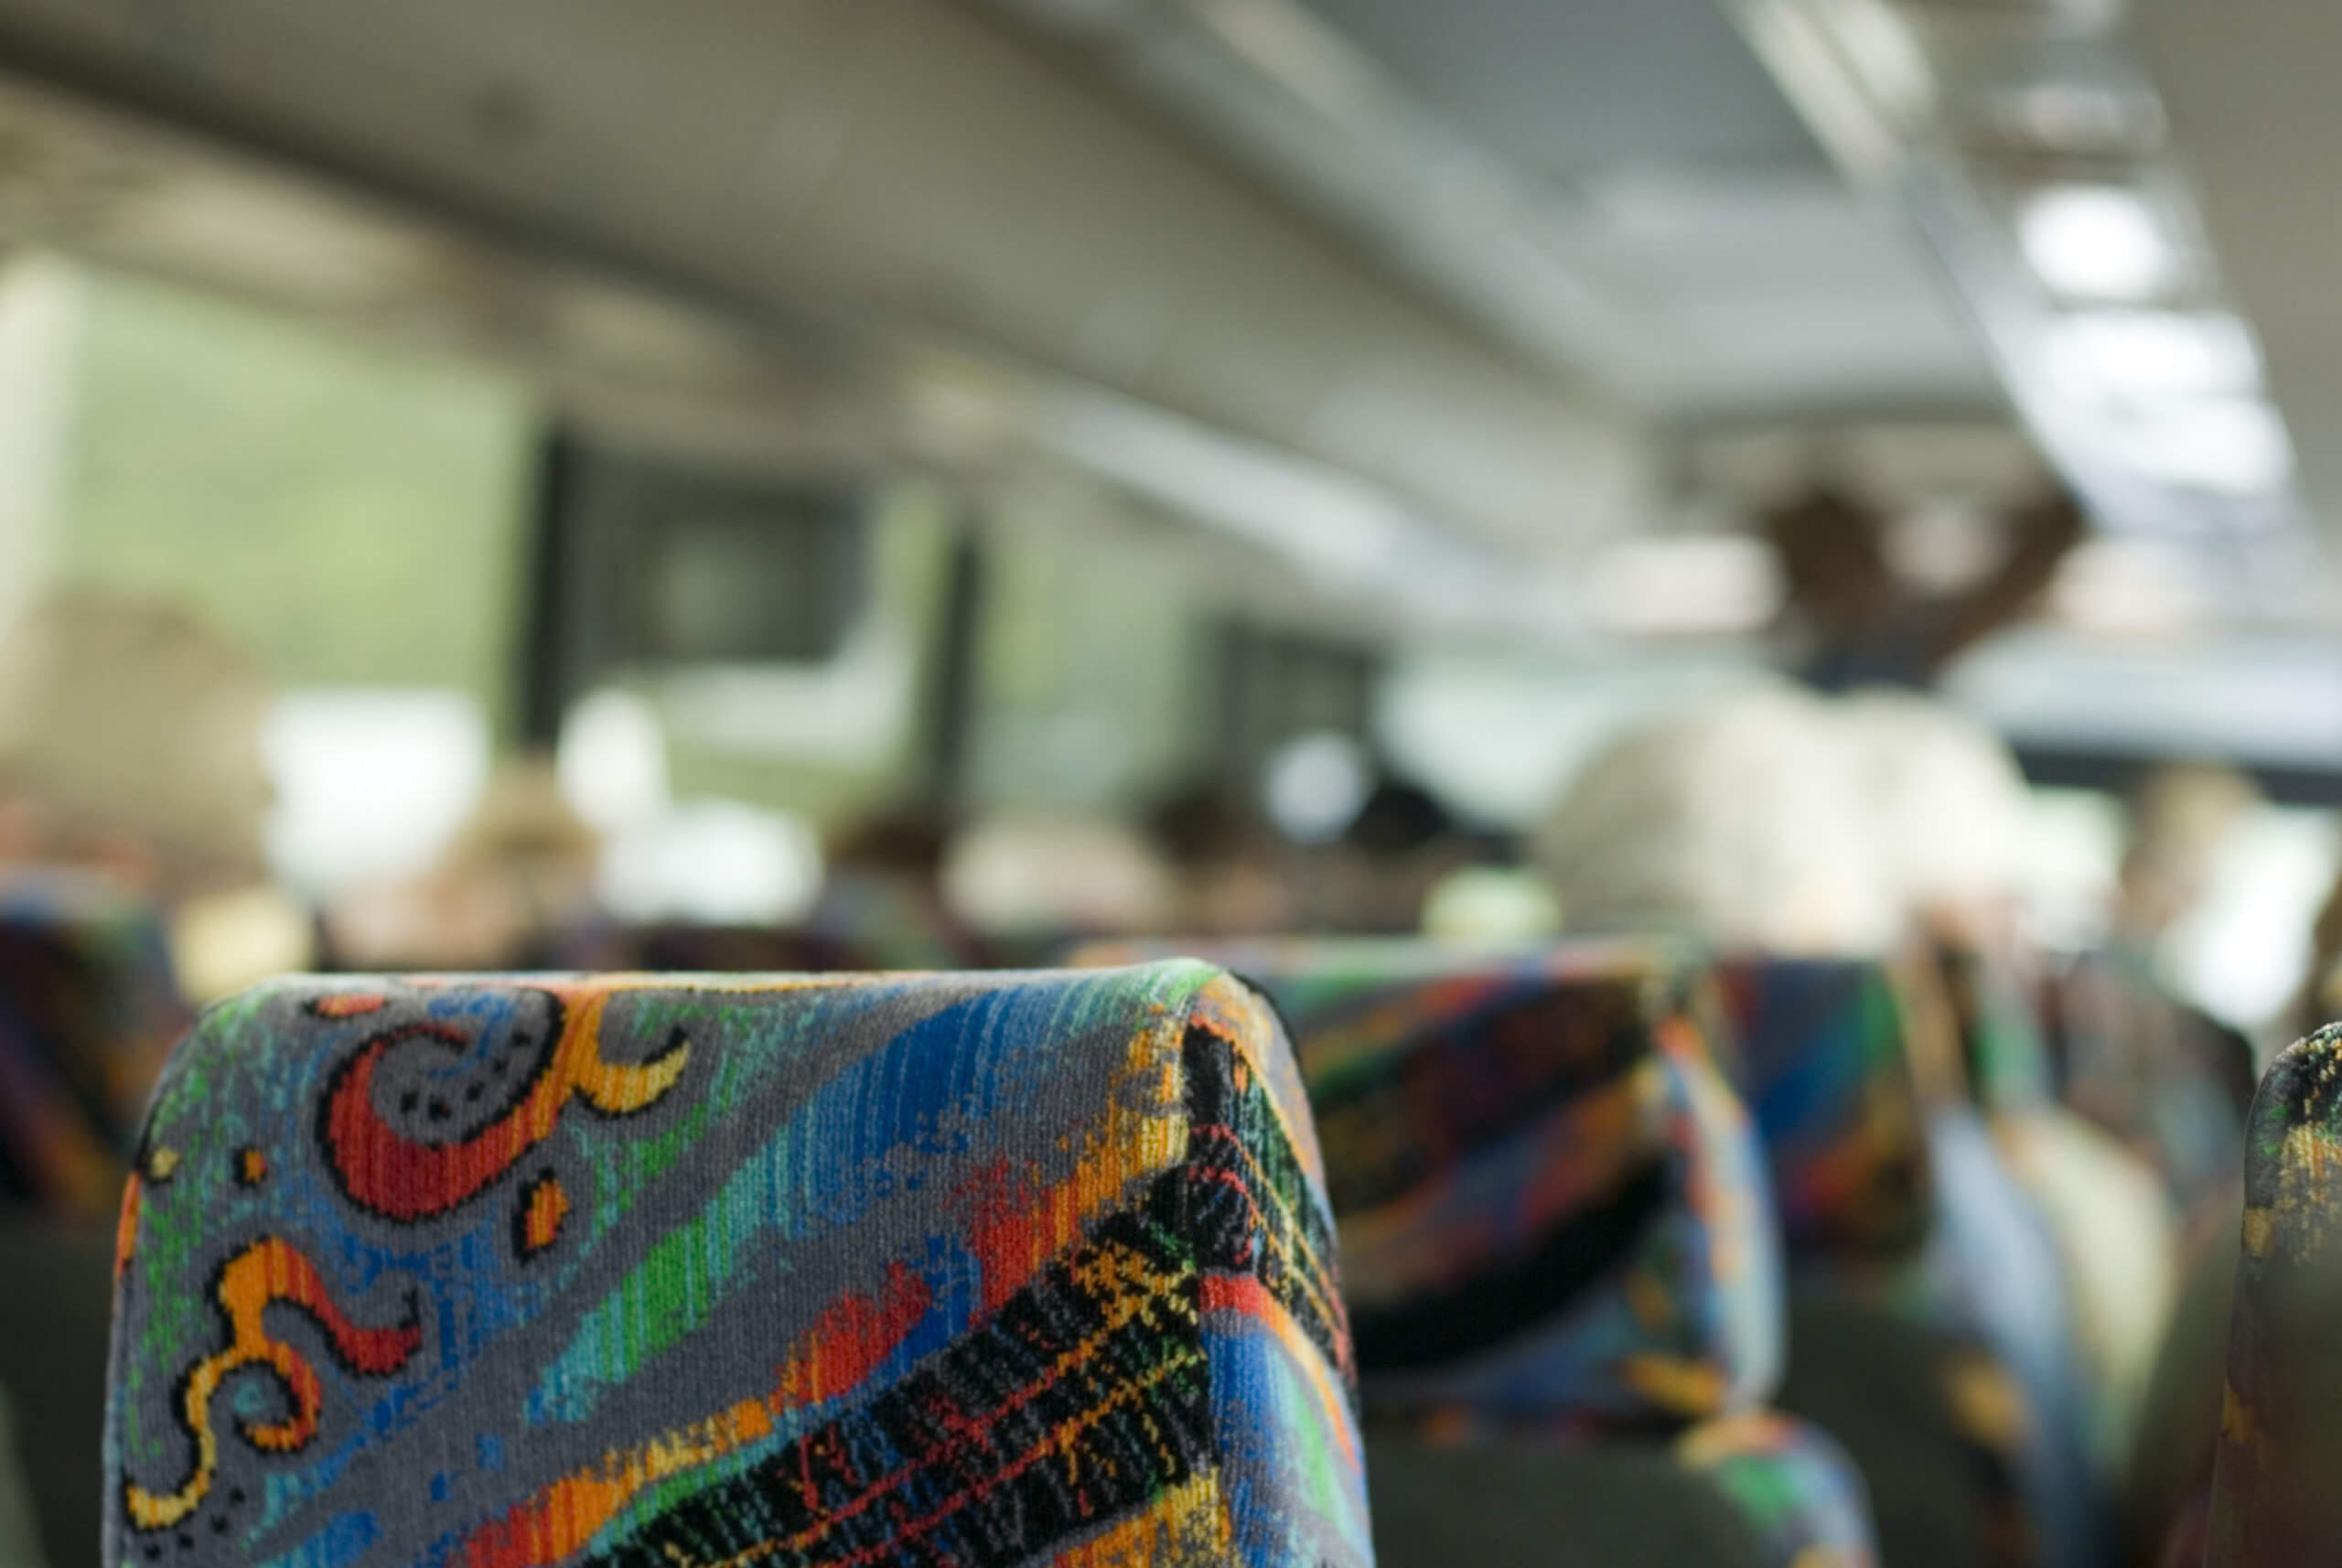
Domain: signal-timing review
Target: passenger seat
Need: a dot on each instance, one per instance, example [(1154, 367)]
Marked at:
[(1032, 1268), (1563, 1268), (1899, 1340)]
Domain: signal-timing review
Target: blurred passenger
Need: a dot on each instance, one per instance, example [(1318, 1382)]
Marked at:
[(2165, 1076), (130, 743), (1743, 822), (1862, 628), (2181, 817), (132, 790), (1377, 878), (1951, 812), (130, 748), (1737, 821), (519, 870), (1232, 876), (2175, 1084), (1033, 884), (882, 894)]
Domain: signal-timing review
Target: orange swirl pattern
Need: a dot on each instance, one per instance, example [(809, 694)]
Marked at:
[(267, 1272), (399, 1178)]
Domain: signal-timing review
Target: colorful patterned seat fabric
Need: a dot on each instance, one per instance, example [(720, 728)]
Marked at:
[(2274, 1501), (88, 1011), (1555, 1225), (1027, 1269), (1549, 1202), (1816, 1049), (1898, 1202)]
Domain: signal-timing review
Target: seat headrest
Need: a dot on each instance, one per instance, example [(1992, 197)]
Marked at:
[(1550, 1203), (655, 1269), (1816, 1046)]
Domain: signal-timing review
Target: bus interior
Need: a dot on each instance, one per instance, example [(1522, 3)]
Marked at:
[(1295, 782)]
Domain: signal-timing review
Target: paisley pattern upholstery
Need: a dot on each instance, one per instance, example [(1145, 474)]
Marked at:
[(789, 1270)]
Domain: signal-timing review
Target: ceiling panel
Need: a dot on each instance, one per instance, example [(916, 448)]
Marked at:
[(2250, 90), (1570, 88), (886, 172), (1616, 188)]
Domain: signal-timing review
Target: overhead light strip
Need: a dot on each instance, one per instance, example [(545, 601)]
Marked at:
[(2094, 293)]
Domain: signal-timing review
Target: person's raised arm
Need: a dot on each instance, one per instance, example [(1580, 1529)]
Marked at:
[(2046, 531)]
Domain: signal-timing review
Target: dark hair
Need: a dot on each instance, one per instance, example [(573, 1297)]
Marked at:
[(1205, 821), (1399, 818), (910, 839), (1825, 530)]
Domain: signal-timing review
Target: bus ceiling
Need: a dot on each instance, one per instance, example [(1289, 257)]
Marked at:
[(1435, 314)]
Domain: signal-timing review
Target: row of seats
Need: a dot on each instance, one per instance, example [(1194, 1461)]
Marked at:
[(1642, 1257)]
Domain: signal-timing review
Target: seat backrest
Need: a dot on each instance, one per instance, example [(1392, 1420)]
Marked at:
[(974, 1269), (2275, 1500), (1904, 1192), (87, 1010), (1550, 1201), (2168, 1080), (1816, 1048)]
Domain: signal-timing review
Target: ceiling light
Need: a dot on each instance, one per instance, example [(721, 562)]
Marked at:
[(2098, 241), (2137, 355), (2234, 446), (2131, 588), (2083, 118)]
